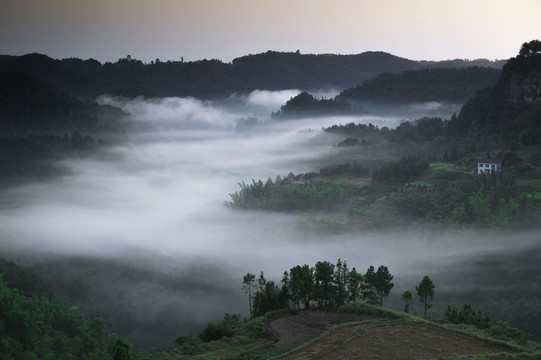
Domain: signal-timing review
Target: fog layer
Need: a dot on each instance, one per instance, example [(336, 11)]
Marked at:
[(161, 196)]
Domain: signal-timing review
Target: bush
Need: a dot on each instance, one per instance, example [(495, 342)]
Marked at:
[(403, 171), (503, 331), (189, 344), (219, 330), (468, 316)]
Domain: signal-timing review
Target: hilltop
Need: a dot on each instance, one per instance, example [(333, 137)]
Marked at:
[(214, 79)]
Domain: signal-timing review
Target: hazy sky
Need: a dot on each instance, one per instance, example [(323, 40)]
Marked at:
[(224, 29)]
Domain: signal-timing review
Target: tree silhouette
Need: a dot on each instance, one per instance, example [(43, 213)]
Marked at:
[(425, 290), (248, 283)]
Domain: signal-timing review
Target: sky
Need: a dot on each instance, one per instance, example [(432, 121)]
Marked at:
[(107, 30)]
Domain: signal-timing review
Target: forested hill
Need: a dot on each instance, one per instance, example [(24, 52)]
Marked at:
[(455, 85), (213, 78), (510, 110), (28, 104)]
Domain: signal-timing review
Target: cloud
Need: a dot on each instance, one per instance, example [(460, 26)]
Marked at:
[(162, 199)]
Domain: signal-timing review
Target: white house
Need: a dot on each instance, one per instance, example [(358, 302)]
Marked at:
[(488, 166)]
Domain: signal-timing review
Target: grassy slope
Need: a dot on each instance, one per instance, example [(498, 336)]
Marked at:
[(344, 338)]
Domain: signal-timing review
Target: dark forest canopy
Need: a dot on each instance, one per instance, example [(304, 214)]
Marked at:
[(511, 108), (27, 103), (212, 78), (306, 104), (437, 84), (35, 324)]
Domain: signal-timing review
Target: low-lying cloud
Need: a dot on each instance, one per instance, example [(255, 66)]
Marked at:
[(163, 195)]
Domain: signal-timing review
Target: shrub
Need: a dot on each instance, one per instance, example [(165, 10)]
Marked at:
[(503, 331), (221, 329)]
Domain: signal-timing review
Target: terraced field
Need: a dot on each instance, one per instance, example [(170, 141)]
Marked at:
[(356, 336)]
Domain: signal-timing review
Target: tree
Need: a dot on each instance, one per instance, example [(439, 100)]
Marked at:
[(355, 282), (407, 296), (121, 350), (383, 283), (301, 283), (248, 283), (368, 289), (268, 299), (341, 281), (324, 287), (425, 290)]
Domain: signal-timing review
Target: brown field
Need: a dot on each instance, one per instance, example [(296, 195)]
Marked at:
[(366, 337)]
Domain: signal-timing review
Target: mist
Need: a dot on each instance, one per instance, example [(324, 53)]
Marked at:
[(156, 204)]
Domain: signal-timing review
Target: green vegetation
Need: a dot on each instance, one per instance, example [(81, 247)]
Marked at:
[(34, 324), (425, 291), (212, 78), (403, 171), (440, 84), (305, 105), (289, 194), (39, 124), (411, 188), (229, 338), (28, 104), (323, 286)]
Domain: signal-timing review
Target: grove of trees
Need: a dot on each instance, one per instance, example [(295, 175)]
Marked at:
[(34, 324), (323, 285)]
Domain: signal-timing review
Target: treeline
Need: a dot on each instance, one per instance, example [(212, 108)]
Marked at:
[(409, 186), (34, 324), (40, 124), (504, 114), (499, 330), (305, 104), (32, 156), (212, 78), (298, 192), (322, 286), (492, 200), (403, 171), (455, 85), (427, 132), (29, 104)]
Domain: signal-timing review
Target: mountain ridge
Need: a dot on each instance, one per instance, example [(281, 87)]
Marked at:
[(271, 70)]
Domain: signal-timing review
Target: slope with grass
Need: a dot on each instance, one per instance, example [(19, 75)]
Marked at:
[(358, 331)]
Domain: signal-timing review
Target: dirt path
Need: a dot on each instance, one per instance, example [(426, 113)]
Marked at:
[(370, 338)]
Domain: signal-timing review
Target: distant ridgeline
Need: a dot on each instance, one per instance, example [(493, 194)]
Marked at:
[(29, 104), (305, 104), (40, 123), (454, 85), (504, 114), (213, 78)]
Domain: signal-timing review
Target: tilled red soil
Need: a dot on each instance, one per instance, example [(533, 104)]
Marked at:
[(370, 339)]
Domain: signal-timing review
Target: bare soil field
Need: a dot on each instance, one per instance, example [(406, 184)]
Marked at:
[(367, 337)]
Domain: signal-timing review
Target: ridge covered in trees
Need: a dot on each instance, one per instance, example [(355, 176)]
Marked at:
[(305, 104), (34, 324), (212, 78), (40, 123), (323, 286), (453, 85)]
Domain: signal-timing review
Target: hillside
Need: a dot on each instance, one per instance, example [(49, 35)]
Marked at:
[(41, 124), (353, 332), (507, 112), (454, 85), (27, 103), (35, 324), (212, 78)]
